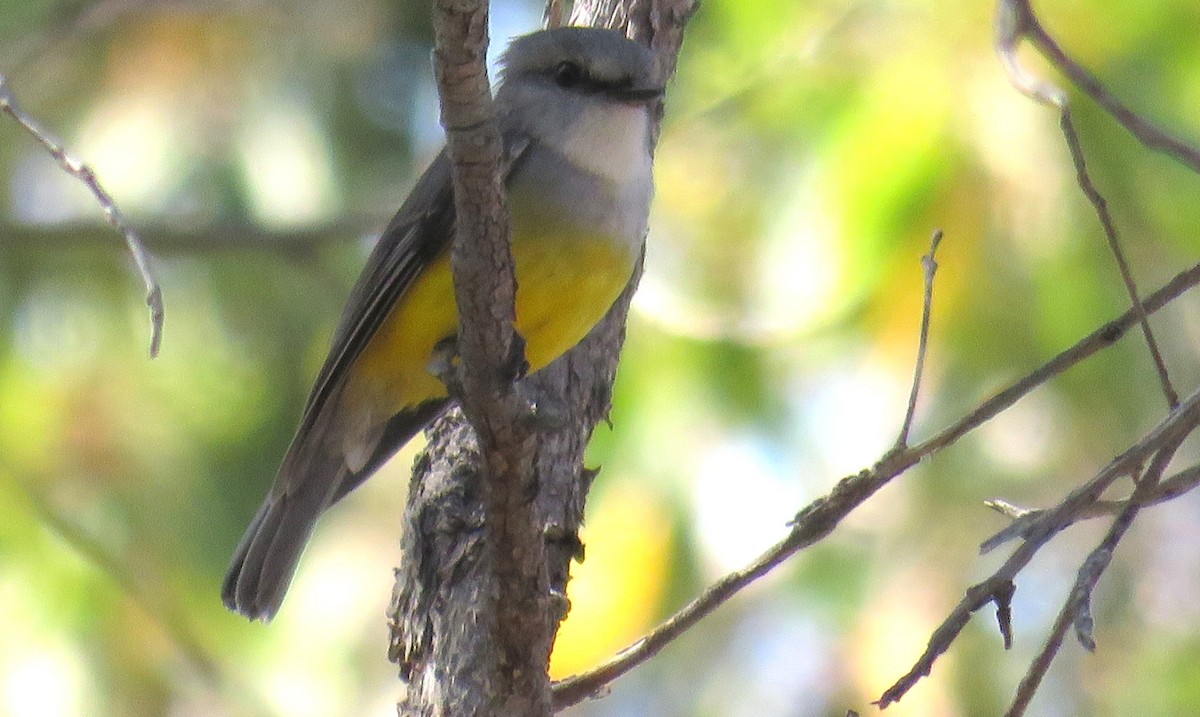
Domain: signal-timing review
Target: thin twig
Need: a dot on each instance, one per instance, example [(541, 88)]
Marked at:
[(1023, 518), (823, 515), (1143, 129), (1076, 610), (1114, 244), (84, 173), (998, 589), (811, 525), (1102, 337), (930, 266), (1176, 424), (1014, 21)]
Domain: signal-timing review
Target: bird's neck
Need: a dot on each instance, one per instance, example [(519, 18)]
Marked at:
[(613, 144)]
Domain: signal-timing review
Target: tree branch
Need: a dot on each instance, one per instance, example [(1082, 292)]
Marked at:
[(930, 266), (446, 534), (84, 173), (823, 515), (1168, 489), (1171, 429), (1076, 610), (503, 670), (1015, 20)]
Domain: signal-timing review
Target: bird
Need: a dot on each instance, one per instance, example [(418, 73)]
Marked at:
[(574, 108)]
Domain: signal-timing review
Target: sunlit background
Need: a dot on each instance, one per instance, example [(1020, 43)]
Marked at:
[(809, 150)]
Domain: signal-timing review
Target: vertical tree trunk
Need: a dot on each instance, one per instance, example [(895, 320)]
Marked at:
[(443, 606)]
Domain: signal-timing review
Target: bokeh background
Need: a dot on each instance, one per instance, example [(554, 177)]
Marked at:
[(809, 150)]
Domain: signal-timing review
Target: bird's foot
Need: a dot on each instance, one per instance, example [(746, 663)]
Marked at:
[(444, 362)]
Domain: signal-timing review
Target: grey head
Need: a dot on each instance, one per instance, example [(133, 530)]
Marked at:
[(551, 77)]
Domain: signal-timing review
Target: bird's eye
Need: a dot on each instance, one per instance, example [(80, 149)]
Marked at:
[(569, 74)]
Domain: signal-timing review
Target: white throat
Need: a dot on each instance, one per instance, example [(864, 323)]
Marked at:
[(611, 143)]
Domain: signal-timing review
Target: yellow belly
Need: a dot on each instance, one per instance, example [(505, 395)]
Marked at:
[(565, 285)]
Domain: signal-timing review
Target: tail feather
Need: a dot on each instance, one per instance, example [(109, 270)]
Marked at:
[(266, 559), (238, 562)]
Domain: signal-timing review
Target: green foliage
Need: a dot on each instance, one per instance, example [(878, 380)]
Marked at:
[(809, 150)]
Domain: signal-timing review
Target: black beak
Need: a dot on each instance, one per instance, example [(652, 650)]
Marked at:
[(637, 95)]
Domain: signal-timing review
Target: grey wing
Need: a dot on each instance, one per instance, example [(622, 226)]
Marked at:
[(311, 478), (419, 231)]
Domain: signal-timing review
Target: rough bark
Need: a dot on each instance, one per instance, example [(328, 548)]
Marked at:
[(476, 605)]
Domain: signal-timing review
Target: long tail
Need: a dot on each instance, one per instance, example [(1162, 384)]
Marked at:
[(266, 559)]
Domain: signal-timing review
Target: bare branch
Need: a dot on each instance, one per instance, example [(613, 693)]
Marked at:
[(930, 266), (811, 525), (1114, 244), (1076, 610), (997, 589), (823, 515), (512, 611), (1016, 19), (1023, 519), (1101, 338), (84, 173), (1162, 440)]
